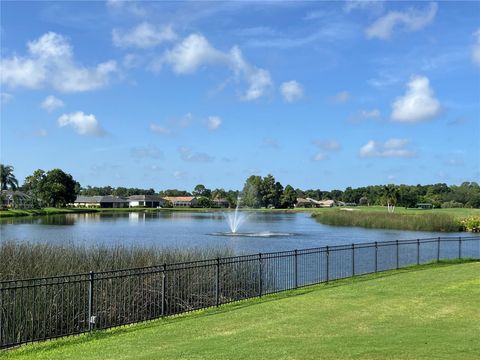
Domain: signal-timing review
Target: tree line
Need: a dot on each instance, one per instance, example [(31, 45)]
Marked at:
[(57, 188)]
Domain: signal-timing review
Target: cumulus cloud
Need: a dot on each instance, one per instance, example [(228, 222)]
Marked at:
[(410, 20), (186, 154), (50, 62), (51, 103), (373, 114), (476, 48), (83, 124), (144, 35), (390, 148), (418, 103), (173, 125), (325, 147), (214, 122), (341, 98), (291, 91), (195, 51)]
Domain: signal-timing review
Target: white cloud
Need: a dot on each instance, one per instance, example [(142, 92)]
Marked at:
[(160, 129), (50, 63), (186, 154), (291, 91), (390, 148), (144, 35), (410, 20), (82, 123), (328, 145), (5, 98), (40, 133), (320, 156), (214, 122), (131, 7), (195, 51), (418, 103), (51, 103), (476, 48), (341, 98), (373, 114), (374, 6)]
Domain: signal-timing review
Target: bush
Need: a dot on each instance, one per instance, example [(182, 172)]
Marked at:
[(452, 204)]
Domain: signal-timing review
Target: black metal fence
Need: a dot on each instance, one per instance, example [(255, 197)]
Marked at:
[(45, 308)]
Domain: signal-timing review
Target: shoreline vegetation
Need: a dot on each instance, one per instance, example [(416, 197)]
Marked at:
[(375, 217), (23, 260)]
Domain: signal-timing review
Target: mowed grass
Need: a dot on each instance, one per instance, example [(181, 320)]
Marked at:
[(426, 312)]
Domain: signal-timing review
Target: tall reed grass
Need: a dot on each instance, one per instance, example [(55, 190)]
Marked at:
[(20, 260), (423, 222)]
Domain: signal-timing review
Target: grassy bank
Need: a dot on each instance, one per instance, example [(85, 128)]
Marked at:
[(27, 260), (417, 313), (384, 220)]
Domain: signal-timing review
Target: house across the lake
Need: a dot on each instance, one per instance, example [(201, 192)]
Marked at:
[(181, 201), (150, 201), (14, 198), (312, 203), (108, 201), (221, 203)]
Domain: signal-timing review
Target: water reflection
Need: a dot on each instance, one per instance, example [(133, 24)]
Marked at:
[(174, 229)]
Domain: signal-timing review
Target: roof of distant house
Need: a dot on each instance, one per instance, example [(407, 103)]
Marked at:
[(100, 199), (145, 197), (179, 198)]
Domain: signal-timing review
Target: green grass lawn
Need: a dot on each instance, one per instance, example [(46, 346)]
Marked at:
[(426, 312)]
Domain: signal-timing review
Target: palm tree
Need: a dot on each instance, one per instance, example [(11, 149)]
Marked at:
[(390, 194), (7, 179)]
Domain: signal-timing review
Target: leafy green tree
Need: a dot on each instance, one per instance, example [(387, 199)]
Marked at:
[(288, 198), (54, 188), (7, 178), (204, 202), (252, 192), (390, 195), (201, 190)]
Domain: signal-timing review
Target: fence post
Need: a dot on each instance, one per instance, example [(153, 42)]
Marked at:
[(164, 267), (296, 268), (376, 256), (353, 259), (91, 318), (217, 281), (459, 247), (328, 265), (418, 251), (260, 282), (398, 262), (438, 249)]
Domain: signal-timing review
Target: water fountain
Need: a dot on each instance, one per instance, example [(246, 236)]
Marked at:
[(237, 217)]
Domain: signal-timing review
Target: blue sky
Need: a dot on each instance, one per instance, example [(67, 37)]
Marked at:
[(168, 95)]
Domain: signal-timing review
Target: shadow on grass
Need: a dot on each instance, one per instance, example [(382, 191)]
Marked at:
[(224, 308)]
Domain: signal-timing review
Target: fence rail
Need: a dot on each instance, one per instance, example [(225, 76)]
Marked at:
[(56, 306)]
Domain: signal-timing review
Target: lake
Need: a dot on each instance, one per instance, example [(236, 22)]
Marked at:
[(181, 230)]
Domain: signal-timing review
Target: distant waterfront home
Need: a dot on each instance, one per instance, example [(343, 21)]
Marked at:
[(303, 203), (151, 201), (108, 201), (181, 201), (312, 203), (14, 199), (221, 203)]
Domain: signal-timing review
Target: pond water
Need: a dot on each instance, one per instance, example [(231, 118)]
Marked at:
[(181, 230)]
